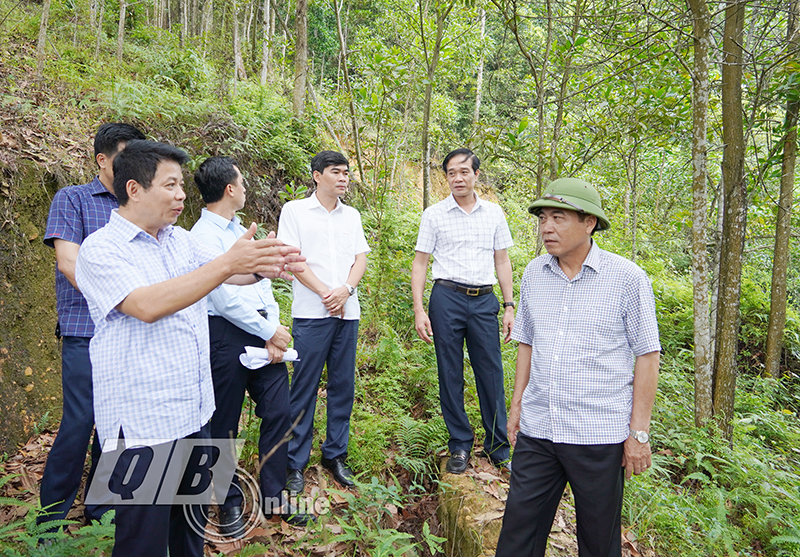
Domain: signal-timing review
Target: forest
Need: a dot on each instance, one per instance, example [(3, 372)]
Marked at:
[(682, 114)]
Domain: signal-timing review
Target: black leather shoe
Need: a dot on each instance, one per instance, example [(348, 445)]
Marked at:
[(341, 472), (292, 516), (231, 522), (457, 463), (501, 463), (295, 483)]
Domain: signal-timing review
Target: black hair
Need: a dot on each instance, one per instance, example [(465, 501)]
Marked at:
[(213, 176), (476, 162), (139, 161), (109, 136), (324, 159)]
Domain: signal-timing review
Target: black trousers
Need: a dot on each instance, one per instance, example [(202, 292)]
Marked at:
[(269, 389), (149, 529), (540, 472), (64, 468), (456, 317)]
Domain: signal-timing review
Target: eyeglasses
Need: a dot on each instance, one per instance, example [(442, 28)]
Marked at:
[(562, 200)]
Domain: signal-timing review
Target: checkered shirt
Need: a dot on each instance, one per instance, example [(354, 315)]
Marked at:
[(76, 212), (585, 335), (151, 379), (463, 244)]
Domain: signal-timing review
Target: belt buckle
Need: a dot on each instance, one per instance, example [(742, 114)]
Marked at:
[(473, 291)]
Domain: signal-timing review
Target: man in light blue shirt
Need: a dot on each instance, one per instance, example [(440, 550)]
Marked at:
[(586, 378), (145, 281), (241, 316)]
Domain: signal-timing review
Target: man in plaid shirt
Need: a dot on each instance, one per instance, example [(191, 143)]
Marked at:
[(468, 238), (76, 212), (587, 371)]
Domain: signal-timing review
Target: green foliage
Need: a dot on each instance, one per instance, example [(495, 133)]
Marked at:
[(24, 538), (419, 443)]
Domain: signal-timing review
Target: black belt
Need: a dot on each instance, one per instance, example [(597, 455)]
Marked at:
[(464, 289)]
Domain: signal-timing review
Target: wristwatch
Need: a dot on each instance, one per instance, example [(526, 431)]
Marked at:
[(510, 304), (640, 436), (350, 289)]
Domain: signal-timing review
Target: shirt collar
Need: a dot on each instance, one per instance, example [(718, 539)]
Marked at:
[(219, 220), (128, 231), (451, 203), (314, 200), (592, 261), (96, 187)]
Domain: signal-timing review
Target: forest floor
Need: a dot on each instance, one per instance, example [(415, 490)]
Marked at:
[(281, 539)]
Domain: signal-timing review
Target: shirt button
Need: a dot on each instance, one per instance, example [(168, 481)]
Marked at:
[(561, 333), (555, 358), (565, 308)]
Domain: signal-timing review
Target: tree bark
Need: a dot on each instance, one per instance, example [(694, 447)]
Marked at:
[(42, 42), (300, 58), (266, 44), (783, 225), (123, 9), (337, 9), (701, 28), (431, 63), (207, 22), (735, 218), (479, 80), (99, 30), (559, 122), (239, 70), (184, 8)]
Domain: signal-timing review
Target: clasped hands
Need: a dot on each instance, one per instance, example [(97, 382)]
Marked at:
[(335, 299)]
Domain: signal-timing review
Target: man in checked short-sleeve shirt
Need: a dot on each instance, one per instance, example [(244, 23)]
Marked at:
[(587, 371), (468, 238), (145, 281)]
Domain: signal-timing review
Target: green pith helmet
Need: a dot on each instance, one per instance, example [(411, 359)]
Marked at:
[(575, 195)]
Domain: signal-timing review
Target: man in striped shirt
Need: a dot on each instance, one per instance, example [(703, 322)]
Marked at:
[(468, 238), (587, 371), (145, 281)]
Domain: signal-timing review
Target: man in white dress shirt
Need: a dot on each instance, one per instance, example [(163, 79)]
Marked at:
[(468, 238), (325, 313), (241, 316)]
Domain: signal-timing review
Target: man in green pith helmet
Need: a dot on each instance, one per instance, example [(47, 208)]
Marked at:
[(587, 371)]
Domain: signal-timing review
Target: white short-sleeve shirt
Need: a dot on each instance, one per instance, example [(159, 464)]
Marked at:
[(463, 244), (330, 242)]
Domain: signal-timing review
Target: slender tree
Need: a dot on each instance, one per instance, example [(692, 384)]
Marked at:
[(337, 9), (701, 31), (783, 225), (123, 10), (42, 42), (734, 220), (442, 9), (479, 79), (300, 57)]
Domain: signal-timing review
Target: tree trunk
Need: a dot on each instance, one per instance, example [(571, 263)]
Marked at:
[(701, 18), (479, 80), (184, 8), (431, 62), (239, 70), (207, 22), (783, 226), (337, 9), (735, 218), (99, 30), (123, 9), (42, 42), (559, 122), (300, 58), (266, 44)]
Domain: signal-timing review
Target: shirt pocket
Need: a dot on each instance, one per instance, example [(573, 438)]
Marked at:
[(345, 243)]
